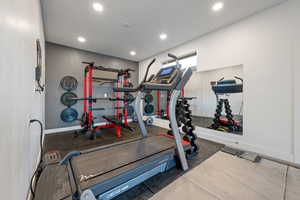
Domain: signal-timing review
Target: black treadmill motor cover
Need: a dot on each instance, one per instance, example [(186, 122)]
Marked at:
[(227, 87)]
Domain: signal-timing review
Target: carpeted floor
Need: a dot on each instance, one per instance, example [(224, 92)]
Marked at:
[(66, 142)]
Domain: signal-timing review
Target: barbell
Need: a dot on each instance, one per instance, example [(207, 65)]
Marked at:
[(70, 98)]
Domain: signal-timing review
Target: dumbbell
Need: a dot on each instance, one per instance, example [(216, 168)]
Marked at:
[(178, 124), (185, 101), (229, 116), (217, 115), (170, 132), (186, 105), (186, 120), (216, 122), (187, 129), (189, 138)]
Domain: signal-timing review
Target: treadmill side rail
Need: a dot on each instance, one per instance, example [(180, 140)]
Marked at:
[(68, 157), (133, 182), (118, 184), (137, 110)]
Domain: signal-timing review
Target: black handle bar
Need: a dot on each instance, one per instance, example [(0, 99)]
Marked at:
[(147, 71), (173, 56), (88, 63), (239, 78), (221, 79), (150, 78)]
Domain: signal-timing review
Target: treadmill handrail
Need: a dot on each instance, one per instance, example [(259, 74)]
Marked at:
[(147, 70), (68, 157), (158, 86), (126, 89)]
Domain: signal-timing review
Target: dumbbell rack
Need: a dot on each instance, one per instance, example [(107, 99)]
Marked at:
[(217, 120), (184, 120), (222, 89)]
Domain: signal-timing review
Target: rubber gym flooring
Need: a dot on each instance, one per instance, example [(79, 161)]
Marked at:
[(227, 177), (66, 142)]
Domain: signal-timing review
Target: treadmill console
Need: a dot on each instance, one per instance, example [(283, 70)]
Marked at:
[(165, 75)]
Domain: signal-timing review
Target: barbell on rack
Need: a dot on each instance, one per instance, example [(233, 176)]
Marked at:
[(70, 98)]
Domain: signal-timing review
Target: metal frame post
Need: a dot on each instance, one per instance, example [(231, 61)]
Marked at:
[(125, 103), (172, 108), (137, 109), (158, 103), (118, 104), (168, 104), (85, 90), (90, 96)]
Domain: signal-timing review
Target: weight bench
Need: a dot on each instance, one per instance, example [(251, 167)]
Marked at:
[(117, 122)]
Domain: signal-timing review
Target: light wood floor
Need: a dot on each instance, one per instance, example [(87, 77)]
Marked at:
[(227, 177)]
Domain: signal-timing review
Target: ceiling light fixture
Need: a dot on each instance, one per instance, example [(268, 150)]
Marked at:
[(133, 53), (81, 39), (163, 36), (98, 7), (217, 6)]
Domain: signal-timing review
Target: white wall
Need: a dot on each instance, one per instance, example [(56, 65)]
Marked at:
[(296, 85), (265, 44), (20, 26)]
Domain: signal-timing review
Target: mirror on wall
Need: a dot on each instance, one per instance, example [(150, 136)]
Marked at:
[(218, 102)]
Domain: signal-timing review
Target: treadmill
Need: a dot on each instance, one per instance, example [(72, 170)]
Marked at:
[(105, 172)]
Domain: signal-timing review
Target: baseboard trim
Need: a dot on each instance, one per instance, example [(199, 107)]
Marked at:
[(59, 130), (72, 128), (235, 141), (161, 123)]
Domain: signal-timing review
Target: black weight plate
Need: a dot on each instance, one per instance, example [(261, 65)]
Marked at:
[(149, 109), (130, 110), (69, 115), (66, 99), (69, 83), (129, 98), (148, 98)]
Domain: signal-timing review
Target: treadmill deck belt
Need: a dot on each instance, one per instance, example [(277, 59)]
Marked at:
[(97, 166)]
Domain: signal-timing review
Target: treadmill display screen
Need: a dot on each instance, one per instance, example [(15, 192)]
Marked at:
[(166, 71)]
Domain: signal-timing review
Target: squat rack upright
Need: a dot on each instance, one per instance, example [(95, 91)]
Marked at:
[(88, 99)]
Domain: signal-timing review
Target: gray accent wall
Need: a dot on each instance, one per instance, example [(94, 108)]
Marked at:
[(62, 61)]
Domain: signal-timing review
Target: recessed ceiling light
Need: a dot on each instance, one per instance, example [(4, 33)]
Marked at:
[(163, 36), (133, 53), (98, 7), (217, 6), (81, 39)]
